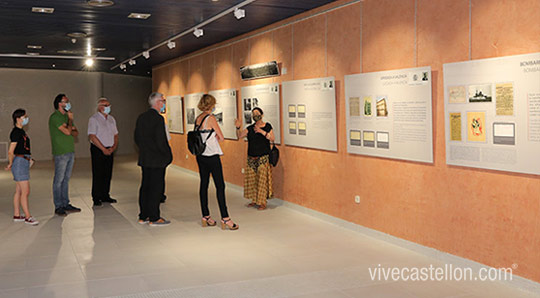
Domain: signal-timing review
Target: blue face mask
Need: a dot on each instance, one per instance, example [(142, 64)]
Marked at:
[(107, 110), (67, 107), (25, 121), (162, 110)]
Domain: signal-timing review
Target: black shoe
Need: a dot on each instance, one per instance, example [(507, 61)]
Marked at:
[(97, 204), (163, 199), (60, 211), (71, 208), (109, 200)]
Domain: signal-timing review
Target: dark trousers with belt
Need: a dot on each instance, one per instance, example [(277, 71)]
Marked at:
[(151, 192), (102, 166), (211, 165)]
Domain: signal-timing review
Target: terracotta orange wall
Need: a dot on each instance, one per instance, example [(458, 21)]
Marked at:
[(487, 216)]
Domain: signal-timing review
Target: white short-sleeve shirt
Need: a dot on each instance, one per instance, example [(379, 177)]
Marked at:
[(104, 128)]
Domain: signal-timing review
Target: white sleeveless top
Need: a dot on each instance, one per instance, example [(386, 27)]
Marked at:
[(212, 144)]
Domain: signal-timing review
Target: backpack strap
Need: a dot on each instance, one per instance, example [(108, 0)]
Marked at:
[(197, 127)]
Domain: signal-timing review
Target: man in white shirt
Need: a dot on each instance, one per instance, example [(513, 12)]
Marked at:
[(103, 136)]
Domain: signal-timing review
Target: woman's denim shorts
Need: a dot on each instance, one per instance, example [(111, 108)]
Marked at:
[(20, 169)]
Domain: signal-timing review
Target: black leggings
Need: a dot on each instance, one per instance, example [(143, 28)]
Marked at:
[(211, 165)]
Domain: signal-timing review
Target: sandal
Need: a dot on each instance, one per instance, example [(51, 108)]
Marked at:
[(224, 224), (251, 205), (207, 221), (262, 207)]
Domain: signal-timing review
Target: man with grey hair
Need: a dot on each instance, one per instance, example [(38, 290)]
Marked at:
[(154, 156), (103, 137)]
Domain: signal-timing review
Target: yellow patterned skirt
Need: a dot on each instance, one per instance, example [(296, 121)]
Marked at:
[(258, 180)]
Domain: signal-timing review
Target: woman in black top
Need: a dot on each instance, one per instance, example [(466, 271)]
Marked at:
[(258, 174), (19, 164)]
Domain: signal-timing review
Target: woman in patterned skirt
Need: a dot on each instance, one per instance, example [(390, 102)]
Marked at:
[(258, 174)]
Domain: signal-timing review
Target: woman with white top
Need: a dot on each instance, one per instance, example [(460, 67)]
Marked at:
[(209, 162)]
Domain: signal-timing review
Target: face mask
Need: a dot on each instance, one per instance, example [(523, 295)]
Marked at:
[(25, 121), (162, 110), (67, 107), (257, 117), (107, 110)]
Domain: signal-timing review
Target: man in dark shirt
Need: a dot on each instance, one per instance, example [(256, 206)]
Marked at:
[(154, 157)]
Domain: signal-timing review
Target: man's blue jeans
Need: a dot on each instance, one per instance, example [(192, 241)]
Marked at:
[(63, 165)]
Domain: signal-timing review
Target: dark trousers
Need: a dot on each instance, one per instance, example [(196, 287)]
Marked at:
[(151, 192), (211, 165), (102, 166)]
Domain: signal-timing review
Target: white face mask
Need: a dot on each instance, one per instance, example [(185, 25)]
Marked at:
[(107, 110)]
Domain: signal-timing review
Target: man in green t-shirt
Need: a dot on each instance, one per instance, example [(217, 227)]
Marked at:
[(62, 131)]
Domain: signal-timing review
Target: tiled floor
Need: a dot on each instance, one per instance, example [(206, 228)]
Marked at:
[(279, 252)]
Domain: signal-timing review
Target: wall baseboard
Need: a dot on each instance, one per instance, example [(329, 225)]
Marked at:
[(517, 281)]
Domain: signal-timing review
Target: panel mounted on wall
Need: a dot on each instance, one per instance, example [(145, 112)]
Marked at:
[(175, 119), (190, 109), (313, 123), (266, 97), (388, 114), (492, 113), (259, 71), (226, 111)]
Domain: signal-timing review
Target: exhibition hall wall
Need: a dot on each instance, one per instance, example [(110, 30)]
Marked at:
[(34, 90), (488, 216)]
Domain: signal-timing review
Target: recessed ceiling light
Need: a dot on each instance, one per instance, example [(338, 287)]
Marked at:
[(43, 9), (66, 52), (136, 15), (34, 47), (99, 49), (100, 3), (32, 54), (89, 62), (77, 34)]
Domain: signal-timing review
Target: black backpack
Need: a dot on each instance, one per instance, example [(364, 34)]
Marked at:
[(195, 142)]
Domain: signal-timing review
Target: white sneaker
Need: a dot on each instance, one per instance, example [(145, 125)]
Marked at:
[(31, 221)]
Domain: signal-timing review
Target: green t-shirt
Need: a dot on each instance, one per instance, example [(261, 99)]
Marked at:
[(61, 144)]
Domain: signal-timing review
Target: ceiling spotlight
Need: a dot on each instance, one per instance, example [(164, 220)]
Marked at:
[(89, 62), (100, 3), (123, 66), (132, 62), (32, 54), (171, 44), (99, 49), (239, 13), (198, 32), (146, 54), (34, 47)]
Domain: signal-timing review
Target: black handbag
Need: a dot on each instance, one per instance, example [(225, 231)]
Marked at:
[(274, 155), (195, 143)]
